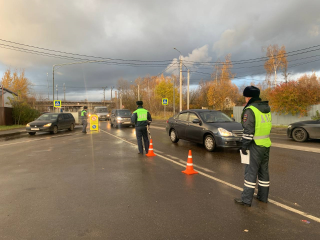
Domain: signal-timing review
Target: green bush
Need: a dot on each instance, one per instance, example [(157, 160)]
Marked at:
[(317, 116), (22, 112)]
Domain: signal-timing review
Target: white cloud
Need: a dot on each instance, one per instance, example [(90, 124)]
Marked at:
[(231, 39), (314, 31), (197, 55)]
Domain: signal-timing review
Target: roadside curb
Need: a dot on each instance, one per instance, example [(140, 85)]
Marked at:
[(24, 132), (279, 131), (17, 133)]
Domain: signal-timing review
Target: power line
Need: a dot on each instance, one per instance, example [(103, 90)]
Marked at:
[(82, 55), (243, 61)]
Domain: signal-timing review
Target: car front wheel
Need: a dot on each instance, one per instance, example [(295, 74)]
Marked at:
[(173, 136), (299, 135), (55, 130), (209, 143), (71, 127)]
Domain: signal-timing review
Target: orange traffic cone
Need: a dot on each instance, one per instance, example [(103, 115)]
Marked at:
[(150, 152), (189, 170)]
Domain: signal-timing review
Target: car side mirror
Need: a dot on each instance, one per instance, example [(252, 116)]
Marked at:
[(197, 121)]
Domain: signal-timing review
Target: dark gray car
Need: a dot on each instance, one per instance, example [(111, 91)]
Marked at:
[(304, 130), (121, 117), (51, 122), (208, 127)]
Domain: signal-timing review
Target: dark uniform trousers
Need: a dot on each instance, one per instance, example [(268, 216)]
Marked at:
[(142, 132), (84, 125), (259, 160)]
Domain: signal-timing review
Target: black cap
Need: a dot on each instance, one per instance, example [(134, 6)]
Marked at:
[(251, 91), (85, 107), (139, 103)]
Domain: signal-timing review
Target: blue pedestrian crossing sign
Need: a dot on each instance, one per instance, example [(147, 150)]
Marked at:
[(164, 101), (57, 103)]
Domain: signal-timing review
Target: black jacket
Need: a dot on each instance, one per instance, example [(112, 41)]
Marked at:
[(140, 123), (248, 121)]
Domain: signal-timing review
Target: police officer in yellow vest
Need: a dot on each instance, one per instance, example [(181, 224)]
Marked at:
[(84, 119), (141, 118), (256, 121)]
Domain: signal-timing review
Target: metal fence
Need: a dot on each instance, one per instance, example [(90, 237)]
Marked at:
[(282, 119)]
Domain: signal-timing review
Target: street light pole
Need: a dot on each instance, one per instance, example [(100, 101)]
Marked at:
[(48, 85), (188, 90), (57, 92), (180, 79), (174, 96)]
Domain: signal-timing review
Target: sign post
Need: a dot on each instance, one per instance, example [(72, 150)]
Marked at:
[(94, 123), (56, 104), (164, 103)]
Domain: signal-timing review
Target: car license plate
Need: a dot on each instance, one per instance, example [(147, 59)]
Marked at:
[(126, 122), (34, 129)]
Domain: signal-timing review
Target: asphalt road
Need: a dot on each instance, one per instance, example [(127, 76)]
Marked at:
[(96, 186)]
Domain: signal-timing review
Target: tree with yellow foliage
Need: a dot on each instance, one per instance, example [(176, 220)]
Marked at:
[(16, 82), (222, 92), (277, 59)]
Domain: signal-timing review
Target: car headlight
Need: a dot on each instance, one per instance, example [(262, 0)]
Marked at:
[(47, 125), (223, 132), (28, 125), (119, 118), (108, 115), (289, 126)]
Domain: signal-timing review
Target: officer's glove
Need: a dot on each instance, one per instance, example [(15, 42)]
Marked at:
[(244, 151)]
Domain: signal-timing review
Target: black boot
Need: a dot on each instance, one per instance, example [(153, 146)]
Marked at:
[(239, 201)]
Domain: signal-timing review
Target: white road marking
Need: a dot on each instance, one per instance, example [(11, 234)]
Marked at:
[(157, 128), (294, 147), (38, 139), (304, 214)]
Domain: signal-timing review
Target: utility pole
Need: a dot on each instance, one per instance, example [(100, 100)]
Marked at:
[(104, 95), (111, 94), (120, 96), (116, 96), (180, 84), (174, 97), (48, 85), (57, 92), (64, 92), (138, 92), (188, 89)]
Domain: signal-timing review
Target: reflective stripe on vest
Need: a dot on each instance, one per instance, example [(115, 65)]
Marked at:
[(82, 113), (262, 128), (142, 114)]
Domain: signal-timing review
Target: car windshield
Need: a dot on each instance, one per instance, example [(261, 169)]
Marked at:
[(48, 117), (101, 110), (211, 117), (124, 113)]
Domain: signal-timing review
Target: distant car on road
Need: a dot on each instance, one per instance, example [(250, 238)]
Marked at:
[(121, 117), (304, 130), (102, 113), (51, 122), (208, 127)]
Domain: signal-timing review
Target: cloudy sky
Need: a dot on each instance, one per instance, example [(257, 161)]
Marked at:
[(145, 30)]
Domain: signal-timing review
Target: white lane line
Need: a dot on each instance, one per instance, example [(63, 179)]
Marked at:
[(38, 139), (304, 214), (196, 166), (157, 127), (293, 147)]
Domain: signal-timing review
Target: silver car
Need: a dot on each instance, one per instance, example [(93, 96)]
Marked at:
[(102, 113)]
